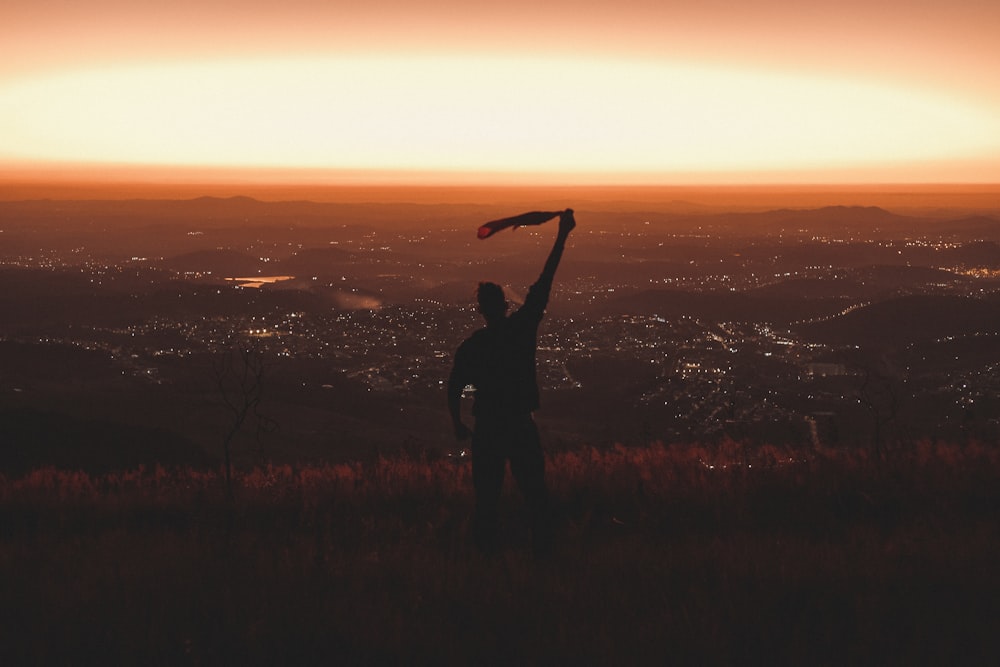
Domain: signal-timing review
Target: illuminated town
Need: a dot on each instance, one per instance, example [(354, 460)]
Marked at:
[(651, 335)]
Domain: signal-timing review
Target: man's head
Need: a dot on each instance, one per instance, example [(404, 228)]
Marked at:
[(492, 303)]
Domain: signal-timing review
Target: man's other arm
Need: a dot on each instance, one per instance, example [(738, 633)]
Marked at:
[(456, 384)]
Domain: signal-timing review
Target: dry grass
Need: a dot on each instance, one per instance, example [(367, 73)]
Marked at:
[(723, 554)]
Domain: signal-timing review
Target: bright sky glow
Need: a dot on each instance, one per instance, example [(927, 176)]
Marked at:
[(564, 88), (486, 114)]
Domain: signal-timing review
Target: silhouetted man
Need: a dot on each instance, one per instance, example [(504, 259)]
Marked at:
[(499, 361)]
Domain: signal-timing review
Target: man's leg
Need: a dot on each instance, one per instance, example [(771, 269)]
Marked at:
[(527, 465), (488, 464)]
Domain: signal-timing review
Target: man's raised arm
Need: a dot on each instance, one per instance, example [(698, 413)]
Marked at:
[(566, 225)]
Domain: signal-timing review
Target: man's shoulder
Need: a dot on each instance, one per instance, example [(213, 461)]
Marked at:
[(535, 302), (475, 339), (539, 290), (479, 334)]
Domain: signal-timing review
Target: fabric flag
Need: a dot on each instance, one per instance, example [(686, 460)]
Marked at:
[(533, 218)]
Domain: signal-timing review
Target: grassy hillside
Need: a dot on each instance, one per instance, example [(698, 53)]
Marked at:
[(665, 555)]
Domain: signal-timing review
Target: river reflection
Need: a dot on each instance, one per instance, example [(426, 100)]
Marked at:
[(258, 281)]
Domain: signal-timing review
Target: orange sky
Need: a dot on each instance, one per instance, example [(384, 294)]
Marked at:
[(641, 91)]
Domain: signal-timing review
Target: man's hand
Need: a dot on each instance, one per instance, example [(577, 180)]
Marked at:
[(462, 431), (566, 222)]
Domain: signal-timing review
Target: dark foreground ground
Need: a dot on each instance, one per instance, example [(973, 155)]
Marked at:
[(665, 555)]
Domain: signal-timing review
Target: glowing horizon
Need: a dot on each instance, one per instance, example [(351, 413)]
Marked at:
[(441, 88)]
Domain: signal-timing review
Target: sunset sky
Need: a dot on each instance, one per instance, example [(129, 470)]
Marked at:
[(627, 91)]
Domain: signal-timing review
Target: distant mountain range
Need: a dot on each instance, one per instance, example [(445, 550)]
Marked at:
[(827, 221), (214, 212)]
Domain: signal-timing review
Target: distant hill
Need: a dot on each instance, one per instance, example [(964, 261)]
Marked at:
[(222, 263), (720, 306), (856, 221), (58, 300), (454, 291), (979, 253), (823, 221), (981, 226), (871, 282), (908, 319), (35, 439), (811, 288), (208, 213), (315, 262), (26, 365), (834, 216), (905, 275)]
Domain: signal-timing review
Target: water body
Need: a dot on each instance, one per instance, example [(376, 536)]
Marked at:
[(258, 281)]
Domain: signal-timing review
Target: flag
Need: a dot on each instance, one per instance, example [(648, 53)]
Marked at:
[(533, 218)]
